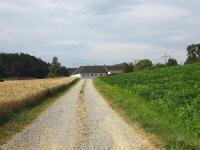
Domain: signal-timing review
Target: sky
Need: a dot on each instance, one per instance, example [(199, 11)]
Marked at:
[(82, 32)]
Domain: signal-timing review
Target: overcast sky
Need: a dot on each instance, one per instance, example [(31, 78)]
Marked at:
[(81, 32)]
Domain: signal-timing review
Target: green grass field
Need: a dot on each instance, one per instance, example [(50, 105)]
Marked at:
[(165, 102)]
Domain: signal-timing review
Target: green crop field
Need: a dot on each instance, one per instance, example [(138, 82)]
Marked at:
[(165, 102)]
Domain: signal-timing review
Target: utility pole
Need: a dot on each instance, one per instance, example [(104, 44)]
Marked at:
[(165, 57)]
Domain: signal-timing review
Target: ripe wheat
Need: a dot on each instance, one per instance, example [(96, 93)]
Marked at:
[(16, 94)]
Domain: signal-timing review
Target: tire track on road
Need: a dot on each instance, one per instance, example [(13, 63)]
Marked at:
[(82, 126)]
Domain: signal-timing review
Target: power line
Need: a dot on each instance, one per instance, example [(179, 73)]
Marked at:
[(165, 57)]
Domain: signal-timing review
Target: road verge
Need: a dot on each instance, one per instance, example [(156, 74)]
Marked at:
[(112, 95)]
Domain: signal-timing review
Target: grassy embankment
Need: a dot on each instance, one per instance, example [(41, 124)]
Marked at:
[(165, 102), (23, 101)]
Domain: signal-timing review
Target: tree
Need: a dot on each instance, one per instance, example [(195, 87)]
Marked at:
[(64, 72), (172, 62), (1, 71), (144, 64), (0, 77), (22, 65), (1, 80), (54, 68), (128, 67), (17, 68), (193, 55)]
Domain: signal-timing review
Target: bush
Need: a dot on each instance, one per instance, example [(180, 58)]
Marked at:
[(143, 64), (172, 62), (128, 67)]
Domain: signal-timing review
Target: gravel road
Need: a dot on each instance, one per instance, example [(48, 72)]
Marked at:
[(79, 120)]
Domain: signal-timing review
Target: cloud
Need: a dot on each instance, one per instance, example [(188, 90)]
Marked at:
[(159, 12), (97, 32)]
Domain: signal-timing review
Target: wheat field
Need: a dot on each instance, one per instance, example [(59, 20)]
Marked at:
[(17, 94)]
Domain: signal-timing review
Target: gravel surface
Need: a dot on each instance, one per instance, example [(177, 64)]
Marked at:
[(79, 120)]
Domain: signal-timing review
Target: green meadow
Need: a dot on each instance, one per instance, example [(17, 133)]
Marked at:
[(165, 102)]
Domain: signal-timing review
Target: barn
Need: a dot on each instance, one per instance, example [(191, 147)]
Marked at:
[(89, 72), (115, 69)]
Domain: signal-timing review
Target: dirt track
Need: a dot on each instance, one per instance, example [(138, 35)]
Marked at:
[(80, 119)]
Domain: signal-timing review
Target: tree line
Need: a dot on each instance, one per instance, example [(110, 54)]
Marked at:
[(25, 65), (193, 56)]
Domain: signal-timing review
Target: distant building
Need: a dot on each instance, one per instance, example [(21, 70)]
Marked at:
[(71, 70), (114, 69), (88, 72)]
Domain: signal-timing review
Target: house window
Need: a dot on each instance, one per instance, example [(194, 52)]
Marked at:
[(92, 75), (101, 75), (95, 74), (83, 75)]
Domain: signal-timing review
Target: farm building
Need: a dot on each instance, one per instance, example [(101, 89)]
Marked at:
[(114, 69), (88, 72)]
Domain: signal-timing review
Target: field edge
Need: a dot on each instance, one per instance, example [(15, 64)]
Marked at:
[(154, 140), (155, 125)]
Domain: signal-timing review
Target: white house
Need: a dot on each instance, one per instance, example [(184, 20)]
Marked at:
[(88, 72)]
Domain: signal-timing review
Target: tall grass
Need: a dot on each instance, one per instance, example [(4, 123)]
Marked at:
[(165, 102)]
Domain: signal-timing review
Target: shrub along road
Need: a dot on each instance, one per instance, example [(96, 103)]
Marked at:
[(80, 119)]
